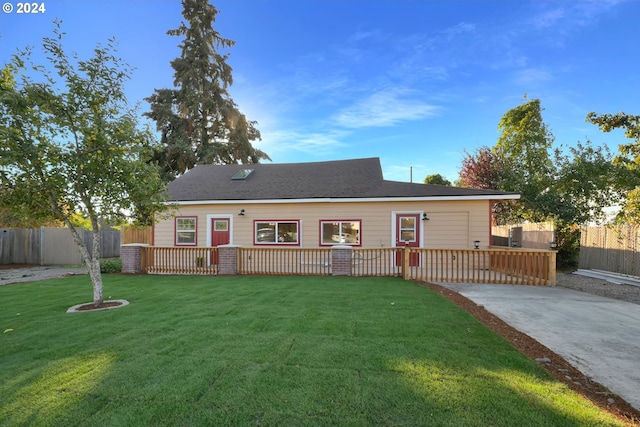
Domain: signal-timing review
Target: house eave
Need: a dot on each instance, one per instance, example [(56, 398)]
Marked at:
[(348, 200)]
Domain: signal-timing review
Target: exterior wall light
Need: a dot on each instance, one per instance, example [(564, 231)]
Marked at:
[(241, 212), (476, 244), (425, 217)]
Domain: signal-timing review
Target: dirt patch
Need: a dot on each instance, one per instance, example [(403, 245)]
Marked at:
[(552, 362)]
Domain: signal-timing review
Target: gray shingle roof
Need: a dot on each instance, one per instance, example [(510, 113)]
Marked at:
[(357, 178)]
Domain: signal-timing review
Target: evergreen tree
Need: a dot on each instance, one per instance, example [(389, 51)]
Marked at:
[(198, 120)]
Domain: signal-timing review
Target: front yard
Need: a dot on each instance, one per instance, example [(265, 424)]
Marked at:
[(265, 351)]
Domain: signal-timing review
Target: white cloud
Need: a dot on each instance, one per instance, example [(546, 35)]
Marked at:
[(533, 76), (548, 18), (308, 142), (461, 28), (386, 107)]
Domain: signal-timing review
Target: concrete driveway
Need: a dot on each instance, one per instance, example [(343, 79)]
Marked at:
[(597, 335)]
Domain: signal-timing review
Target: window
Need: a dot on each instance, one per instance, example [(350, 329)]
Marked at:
[(277, 232), (407, 229), (186, 230), (340, 233)]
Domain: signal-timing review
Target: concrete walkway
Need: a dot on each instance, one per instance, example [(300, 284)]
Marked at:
[(597, 335)]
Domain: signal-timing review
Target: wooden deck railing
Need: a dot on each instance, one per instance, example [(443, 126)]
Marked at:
[(172, 260), (522, 267), (285, 261), (375, 262), (508, 266)]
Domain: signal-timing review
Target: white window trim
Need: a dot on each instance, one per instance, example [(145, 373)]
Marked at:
[(176, 230)]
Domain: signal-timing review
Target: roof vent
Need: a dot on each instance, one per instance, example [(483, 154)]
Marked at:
[(241, 175)]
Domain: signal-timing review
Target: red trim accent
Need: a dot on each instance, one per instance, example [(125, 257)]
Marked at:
[(255, 230), (490, 240), (339, 220), (175, 231)]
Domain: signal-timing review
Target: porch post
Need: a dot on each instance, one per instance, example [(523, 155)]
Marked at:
[(228, 260), (405, 262), (552, 268), (341, 260), (131, 257)]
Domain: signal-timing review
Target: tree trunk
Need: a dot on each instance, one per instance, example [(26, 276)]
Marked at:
[(92, 261), (96, 279)]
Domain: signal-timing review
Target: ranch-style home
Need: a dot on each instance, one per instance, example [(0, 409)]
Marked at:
[(320, 205)]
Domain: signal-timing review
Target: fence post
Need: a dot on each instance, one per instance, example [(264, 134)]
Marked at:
[(341, 260), (131, 258), (405, 262), (552, 268), (228, 260)]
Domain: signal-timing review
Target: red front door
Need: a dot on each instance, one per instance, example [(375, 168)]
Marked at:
[(408, 234), (219, 235)]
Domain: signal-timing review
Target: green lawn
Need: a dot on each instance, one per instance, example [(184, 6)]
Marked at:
[(270, 351)]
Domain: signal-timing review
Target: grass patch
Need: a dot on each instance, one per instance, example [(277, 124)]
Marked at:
[(265, 351)]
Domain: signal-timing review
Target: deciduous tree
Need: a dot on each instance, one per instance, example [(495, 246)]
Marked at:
[(484, 168), (569, 185), (524, 147), (70, 144), (198, 120), (481, 169), (436, 179), (628, 160)]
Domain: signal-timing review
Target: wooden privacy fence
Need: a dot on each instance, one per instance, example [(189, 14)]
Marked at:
[(615, 249), (508, 266), (536, 235), (52, 245), (130, 234)]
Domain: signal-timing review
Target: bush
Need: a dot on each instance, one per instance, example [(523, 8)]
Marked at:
[(111, 265)]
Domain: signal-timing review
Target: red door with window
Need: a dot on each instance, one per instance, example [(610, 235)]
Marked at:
[(219, 236), (408, 234)]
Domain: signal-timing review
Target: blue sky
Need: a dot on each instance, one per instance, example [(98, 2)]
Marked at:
[(415, 83)]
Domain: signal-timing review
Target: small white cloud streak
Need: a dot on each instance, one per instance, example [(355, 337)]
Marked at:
[(533, 76), (548, 18), (315, 143), (385, 108)]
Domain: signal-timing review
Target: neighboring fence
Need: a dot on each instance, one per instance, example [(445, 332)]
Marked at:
[(20, 246), (614, 249), (130, 234), (526, 235), (51, 245), (509, 266)]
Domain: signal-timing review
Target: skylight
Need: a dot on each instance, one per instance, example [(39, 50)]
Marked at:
[(242, 174)]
